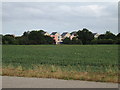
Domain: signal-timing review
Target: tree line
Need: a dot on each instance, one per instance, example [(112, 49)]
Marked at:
[(28, 38), (84, 36), (87, 37)]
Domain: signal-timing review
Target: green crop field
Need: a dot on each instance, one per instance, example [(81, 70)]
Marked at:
[(78, 58)]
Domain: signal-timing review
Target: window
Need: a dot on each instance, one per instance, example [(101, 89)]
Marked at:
[(58, 37)]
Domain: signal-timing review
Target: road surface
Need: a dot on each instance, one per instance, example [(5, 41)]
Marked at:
[(21, 82)]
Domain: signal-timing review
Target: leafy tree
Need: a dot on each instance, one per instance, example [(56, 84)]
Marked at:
[(8, 39), (25, 34), (102, 36), (67, 41), (117, 41), (103, 41), (85, 36), (106, 41), (76, 41), (94, 41), (109, 35), (36, 37), (49, 40), (22, 40), (118, 35), (118, 38), (1, 38)]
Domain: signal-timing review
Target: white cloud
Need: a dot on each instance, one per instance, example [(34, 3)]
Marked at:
[(59, 16)]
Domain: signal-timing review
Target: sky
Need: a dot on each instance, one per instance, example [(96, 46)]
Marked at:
[(98, 17)]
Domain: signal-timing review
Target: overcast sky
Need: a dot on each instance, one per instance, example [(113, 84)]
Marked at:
[(60, 16)]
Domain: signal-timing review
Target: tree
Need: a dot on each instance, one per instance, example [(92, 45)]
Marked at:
[(67, 41), (118, 35), (85, 36), (8, 39), (102, 36), (49, 40), (94, 41), (22, 40), (25, 34), (1, 38), (36, 37), (118, 38), (103, 41), (109, 35), (76, 41)]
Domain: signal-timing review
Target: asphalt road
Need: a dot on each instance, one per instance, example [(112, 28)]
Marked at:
[(21, 82)]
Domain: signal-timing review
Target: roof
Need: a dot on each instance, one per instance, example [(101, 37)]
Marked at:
[(73, 33), (94, 33), (63, 34), (44, 32), (53, 33)]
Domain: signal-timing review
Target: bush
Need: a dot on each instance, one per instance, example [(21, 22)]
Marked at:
[(103, 41), (8, 39), (67, 41), (118, 41), (94, 41), (76, 41)]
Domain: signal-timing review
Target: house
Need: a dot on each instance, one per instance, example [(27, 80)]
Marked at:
[(95, 35), (73, 34), (65, 34), (56, 36), (46, 33)]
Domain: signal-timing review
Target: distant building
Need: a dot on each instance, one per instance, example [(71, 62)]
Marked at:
[(73, 34), (95, 35), (46, 33), (65, 34), (56, 36)]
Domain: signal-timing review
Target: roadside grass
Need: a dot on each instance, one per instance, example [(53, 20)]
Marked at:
[(51, 71)]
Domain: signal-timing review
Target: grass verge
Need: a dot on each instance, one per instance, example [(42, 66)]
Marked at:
[(52, 71)]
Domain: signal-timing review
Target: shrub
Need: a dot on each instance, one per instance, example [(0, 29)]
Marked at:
[(103, 41), (118, 41)]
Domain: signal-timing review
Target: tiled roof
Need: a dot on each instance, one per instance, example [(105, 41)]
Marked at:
[(53, 33), (94, 33), (43, 32), (73, 33), (63, 34)]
